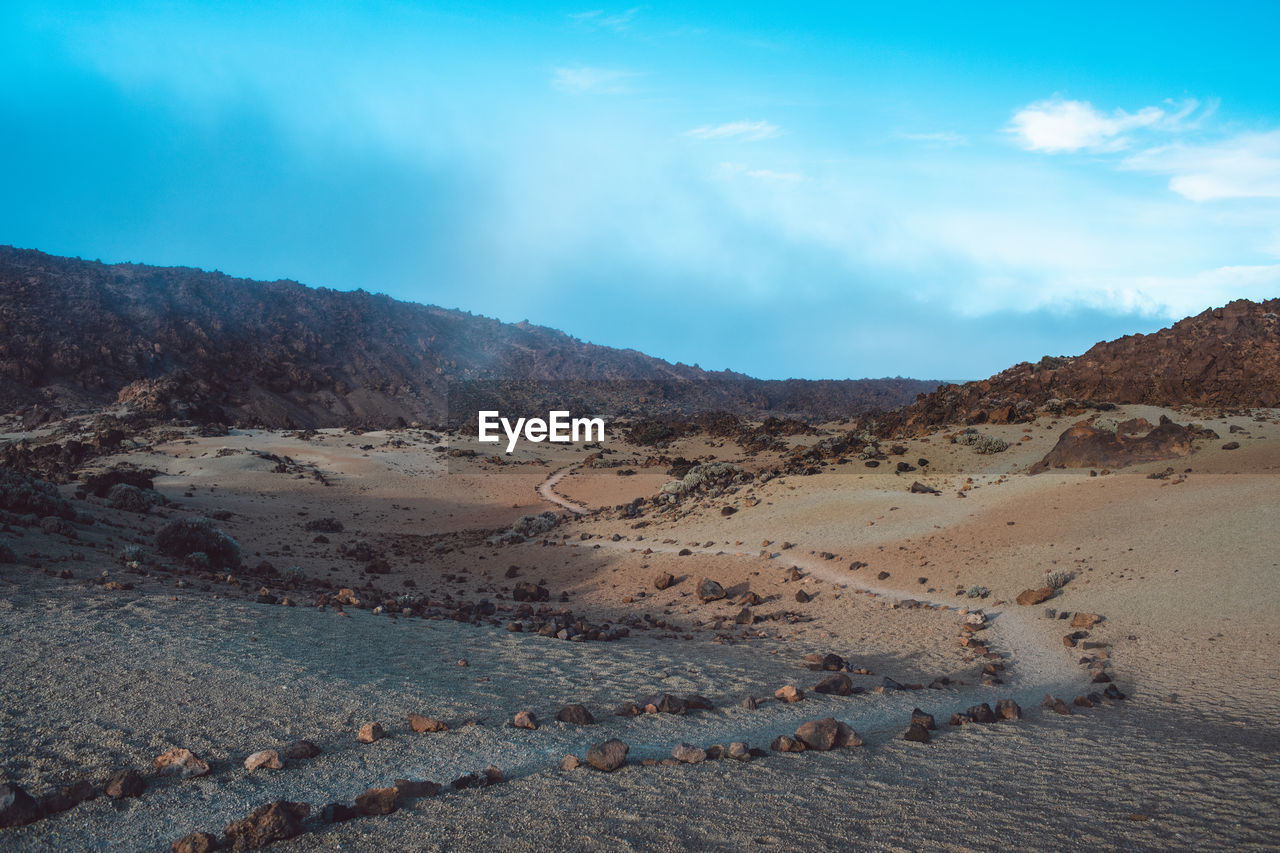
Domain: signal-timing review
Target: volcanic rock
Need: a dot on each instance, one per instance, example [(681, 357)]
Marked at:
[(524, 720), (1035, 596), (789, 693), (273, 822), (378, 801), (1086, 446), (17, 807), (664, 580), (267, 758), (124, 784), (300, 750), (422, 724), (709, 590), (577, 715), (835, 685), (689, 754), (179, 762), (607, 756), (917, 733), (920, 718), (370, 732), (1007, 709), (197, 842)]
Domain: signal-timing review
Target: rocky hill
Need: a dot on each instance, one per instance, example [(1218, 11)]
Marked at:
[(1223, 358), (172, 342)]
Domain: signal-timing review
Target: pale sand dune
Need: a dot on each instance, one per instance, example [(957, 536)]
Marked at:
[(1185, 575)]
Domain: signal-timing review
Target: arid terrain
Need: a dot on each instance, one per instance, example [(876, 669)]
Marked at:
[(389, 573)]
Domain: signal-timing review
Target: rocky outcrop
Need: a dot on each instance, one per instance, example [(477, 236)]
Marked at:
[(1085, 445)]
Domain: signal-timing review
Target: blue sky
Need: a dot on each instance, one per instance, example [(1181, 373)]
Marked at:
[(822, 190)]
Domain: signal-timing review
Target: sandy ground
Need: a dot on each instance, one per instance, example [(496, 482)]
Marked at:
[(1184, 571)]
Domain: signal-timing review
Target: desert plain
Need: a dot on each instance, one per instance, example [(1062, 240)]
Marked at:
[(674, 591)]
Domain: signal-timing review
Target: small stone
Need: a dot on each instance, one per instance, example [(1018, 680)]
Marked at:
[(124, 784), (1056, 704), (179, 762), (782, 743), (577, 715), (981, 713), (1083, 702), (920, 718), (275, 821), (802, 597), (1007, 709), (267, 758), (412, 789), (826, 734), (917, 733), (750, 703), (835, 685), (607, 756), (790, 693), (689, 754), (301, 750), (1085, 621), (422, 724), (709, 590), (715, 752), (17, 807), (664, 580), (628, 709), (739, 751), (525, 720), (570, 762), (196, 842), (370, 732), (338, 813), (378, 801)]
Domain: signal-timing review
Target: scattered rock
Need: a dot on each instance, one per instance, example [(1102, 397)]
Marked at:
[(266, 758), (664, 703), (525, 591), (17, 807), (370, 732), (790, 693), (917, 733), (301, 750), (525, 720), (920, 718), (1035, 596), (273, 822), (689, 754), (803, 597), (179, 762), (664, 580), (1007, 709), (378, 801), (607, 756), (577, 715), (919, 488), (197, 842), (570, 762), (826, 734), (1056, 704), (1085, 621), (628, 709), (782, 743), (338, 813), (124, 784), (739, 751), (421, 724), (835, 685), (709, 590), (981, 713)]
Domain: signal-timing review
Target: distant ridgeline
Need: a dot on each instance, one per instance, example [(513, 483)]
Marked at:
[(174, 342)]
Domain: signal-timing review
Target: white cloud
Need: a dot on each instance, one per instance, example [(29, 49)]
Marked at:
[(585, 80), (747, 131), (1057, 125), (1245, 166)]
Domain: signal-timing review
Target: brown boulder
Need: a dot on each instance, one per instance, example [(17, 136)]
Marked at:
[(664, 580), (577, 715), (421, 724), (835, 685), (17, 807), (917, 733), (370, 732), (607, 756), (688, 754), (266, 824), (1085, 620), (826, 734), (1035, 596), (790, 693), (1007, 709), (920, 718), (124, 784), (196, 842), (524, 720), (378, 801), (265, 758), (1086, 446)]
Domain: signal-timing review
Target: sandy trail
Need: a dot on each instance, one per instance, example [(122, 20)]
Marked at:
[(547, 490)]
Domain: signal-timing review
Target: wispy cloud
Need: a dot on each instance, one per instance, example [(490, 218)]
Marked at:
[(1056, 125), (1244, 166), (940, 139), (616, 21), (746, 131), (585, 80)]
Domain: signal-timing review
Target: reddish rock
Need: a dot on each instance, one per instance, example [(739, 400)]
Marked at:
[(826, 734), (301, 750), (179, 762), (790, 693), (1056, 704), (197, 842), (1085, 621), (524, 720), (782, 743), (412, 789), (917, 733), (981, 713), (689, 754), (739, 751), (370, 732), (920, 718), (266, 824), (421, 724), (664, 580), (1007, 709), (1086, 446), (1035, 596)]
